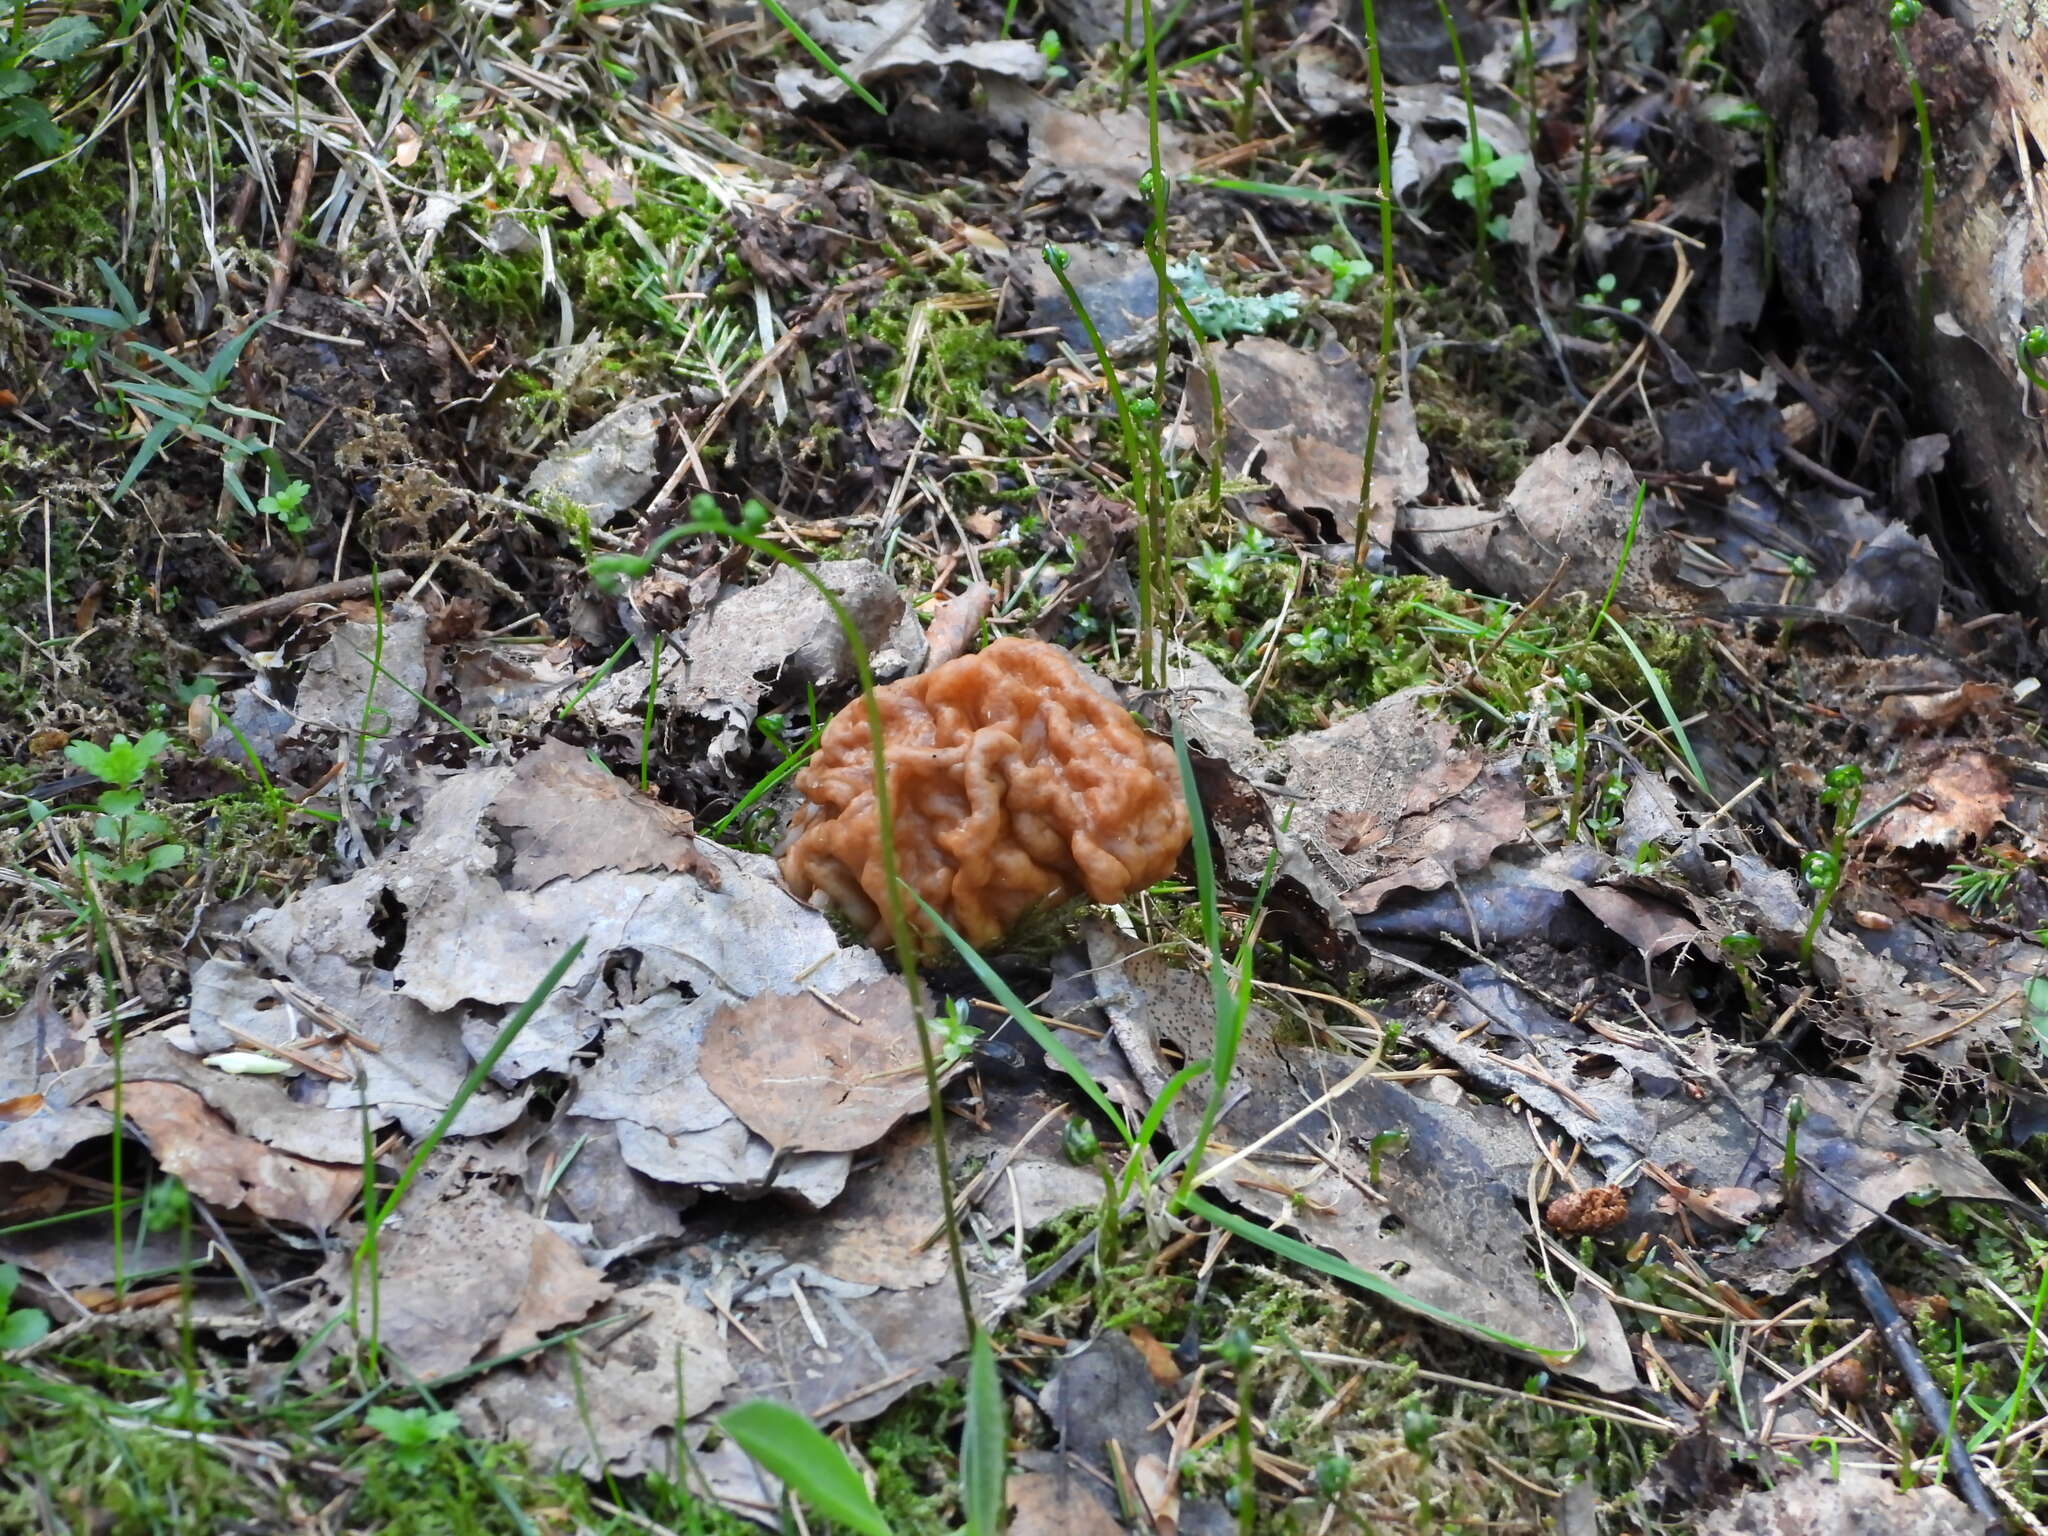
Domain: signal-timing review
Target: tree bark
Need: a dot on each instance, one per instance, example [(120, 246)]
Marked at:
[(1849, 151)]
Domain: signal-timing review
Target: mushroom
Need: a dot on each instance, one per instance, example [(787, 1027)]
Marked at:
[(1013, 784)]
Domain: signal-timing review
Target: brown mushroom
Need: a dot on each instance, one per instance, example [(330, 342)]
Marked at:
[(1013, 784)]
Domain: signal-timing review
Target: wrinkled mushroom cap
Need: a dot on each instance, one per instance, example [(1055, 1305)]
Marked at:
[(1013, 784)]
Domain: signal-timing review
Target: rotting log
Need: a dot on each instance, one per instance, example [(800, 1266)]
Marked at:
[(1848, 173)]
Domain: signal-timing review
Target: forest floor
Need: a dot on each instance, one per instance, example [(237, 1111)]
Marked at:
[(1593, 1052)]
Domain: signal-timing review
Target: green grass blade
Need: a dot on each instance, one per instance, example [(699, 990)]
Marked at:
[(831, 65), (475, 1080), (1296, 1251), (1027, 1021), (1655, 680), (984, 1442), (815, 1470)]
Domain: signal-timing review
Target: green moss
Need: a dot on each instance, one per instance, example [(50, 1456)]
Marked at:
[(55, 222)]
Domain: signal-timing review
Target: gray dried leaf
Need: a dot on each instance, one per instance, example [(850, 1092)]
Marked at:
[(887, 37), (466, 1275), (1102, 154), (1446, 1219), (1813, 1503), (610, 465), (615, 1411), (370, 675)]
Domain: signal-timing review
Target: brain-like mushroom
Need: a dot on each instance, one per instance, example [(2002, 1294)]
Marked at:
[(1013, 784)]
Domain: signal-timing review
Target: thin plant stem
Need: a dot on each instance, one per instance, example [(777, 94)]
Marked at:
[(1586, 130), (1482, 184), (1135, 456), (1152, 642), (647, 720), (1248, 66), (1386, 199)]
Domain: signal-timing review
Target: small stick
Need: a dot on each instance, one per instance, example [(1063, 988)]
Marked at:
[(1898, 1338), (285, 602)]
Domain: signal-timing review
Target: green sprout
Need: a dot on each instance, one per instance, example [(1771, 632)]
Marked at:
[(1824, 867), (1487, 171), (1346, 272)]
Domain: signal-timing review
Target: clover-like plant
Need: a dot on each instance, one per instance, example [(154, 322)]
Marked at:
[(133, 843)]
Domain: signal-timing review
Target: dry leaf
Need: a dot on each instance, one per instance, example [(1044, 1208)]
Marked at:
[(465, 1275), (625, 1390), (1925, 714), (806, 1077), (887, 37), (1308, 414), (1813, 1503), (589, 185), (1969, 792), (1103, 153), (197, 1146)]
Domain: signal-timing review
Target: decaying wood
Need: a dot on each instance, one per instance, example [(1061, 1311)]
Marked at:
[(1850, 154)]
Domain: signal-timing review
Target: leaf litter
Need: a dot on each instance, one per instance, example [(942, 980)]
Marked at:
[(705, 1157)]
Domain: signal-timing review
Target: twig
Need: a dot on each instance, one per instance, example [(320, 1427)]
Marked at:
[(285, 602), (1898, 1338)]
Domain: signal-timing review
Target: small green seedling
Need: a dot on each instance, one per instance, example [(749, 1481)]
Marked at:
[(19, 1326), (1824, 867), (133, 837), (956, 1036), (1346, 272), (1743, 951), (1487, 171), (285, 504), (1602, 297), (412, 1433)]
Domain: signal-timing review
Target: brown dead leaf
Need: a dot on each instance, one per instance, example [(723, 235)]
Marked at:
[(1307, 414), (1059, 1501), (1103, 153), (1969, 792), (464, 1273), (588, 185), (197, 1146), (808, 1074)]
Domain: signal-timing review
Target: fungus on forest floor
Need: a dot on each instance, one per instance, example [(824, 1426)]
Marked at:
[(1013, 784)]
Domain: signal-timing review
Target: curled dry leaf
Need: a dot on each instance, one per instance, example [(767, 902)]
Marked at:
[(1561, 528), (195, 1145), (1306, 415), (814, 1074), (1955, 803)]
